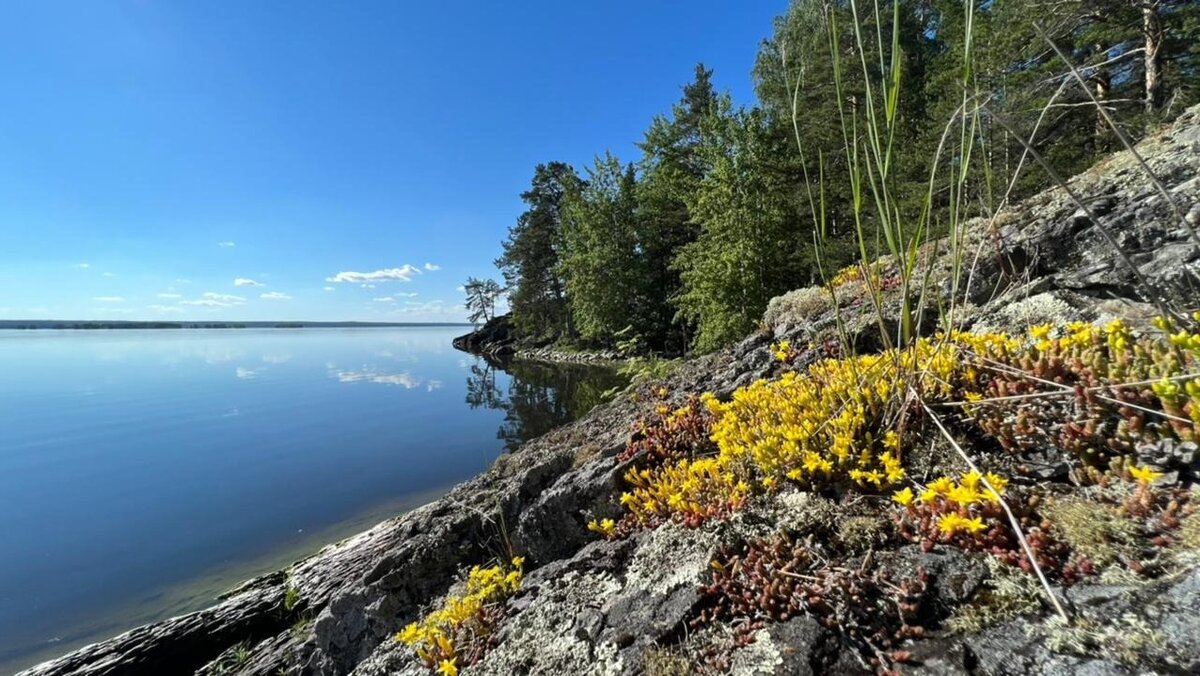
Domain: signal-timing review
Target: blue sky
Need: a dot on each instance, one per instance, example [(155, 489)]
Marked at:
[(313, 160)]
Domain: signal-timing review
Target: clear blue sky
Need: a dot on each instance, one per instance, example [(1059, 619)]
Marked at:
[(154, 153)]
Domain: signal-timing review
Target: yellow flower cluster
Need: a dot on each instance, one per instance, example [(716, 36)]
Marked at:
[(854, 273), (830, 424), (436, 636), (834, 421), (1114, 354), (693, 489), (782, 351), (953, 500), (605, 527)]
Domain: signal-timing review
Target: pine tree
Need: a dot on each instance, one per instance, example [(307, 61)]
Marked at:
[(531, 261)]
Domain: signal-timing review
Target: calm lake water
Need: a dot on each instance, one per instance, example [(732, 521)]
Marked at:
[(144, 472)]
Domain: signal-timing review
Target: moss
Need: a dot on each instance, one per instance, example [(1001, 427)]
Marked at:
[(1189, 532), (857, 534), (799, 306), (1099, 532), (1128, 638), (1007, 593), (667, 662)]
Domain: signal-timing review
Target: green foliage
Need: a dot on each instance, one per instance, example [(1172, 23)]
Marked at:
[(746, 251), (291, 598), (481, 298), (602, 262), (532, 258), (878, 126)]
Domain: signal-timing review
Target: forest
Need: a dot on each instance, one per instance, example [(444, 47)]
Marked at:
[(872, 125)]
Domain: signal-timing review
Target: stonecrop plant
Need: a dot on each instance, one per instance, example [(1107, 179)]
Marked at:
[(776, 579), (967, 514), (1093, 392), (460, 632)]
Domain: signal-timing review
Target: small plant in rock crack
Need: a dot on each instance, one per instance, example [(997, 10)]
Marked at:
[(674, 434), (778, 579), (461, 631), (968, 515)]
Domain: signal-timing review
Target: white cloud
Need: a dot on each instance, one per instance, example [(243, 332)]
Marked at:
[(109, 299), (82, 266), (403, 274), (329, 288), (226, 244), (246, 374), (406, 295), (368, 286), (243, 281), (170, 296), (432, 268), (108, 274), (164, 309), (460, 287), (385, 299), (274, 295), (413, 307), (210, 299), (404, 379)]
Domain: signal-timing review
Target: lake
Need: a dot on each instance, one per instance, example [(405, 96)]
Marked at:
[(144, 472)]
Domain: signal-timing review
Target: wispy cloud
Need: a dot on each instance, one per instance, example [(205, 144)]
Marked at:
[(109, 299), (432, 267), (108, 274), (403, 379), (274, 295), (403, 274), (368, 286), (210, 299), (82, 266), (226, 244), (244, 281), (244, 373), (170, 296), (406, 295), (385, 299), (165, 309), (329, 288)]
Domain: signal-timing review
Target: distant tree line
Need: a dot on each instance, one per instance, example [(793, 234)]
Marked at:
[(684, 246)]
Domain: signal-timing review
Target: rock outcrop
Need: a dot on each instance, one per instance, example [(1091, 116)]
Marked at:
[(592, 606)]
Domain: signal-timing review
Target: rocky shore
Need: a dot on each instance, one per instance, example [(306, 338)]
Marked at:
[(496, 340), (628, 605)]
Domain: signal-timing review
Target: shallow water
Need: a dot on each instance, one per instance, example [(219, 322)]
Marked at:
[(143, 472)]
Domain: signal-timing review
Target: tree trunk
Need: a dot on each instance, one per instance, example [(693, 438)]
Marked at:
[(1152, 29)]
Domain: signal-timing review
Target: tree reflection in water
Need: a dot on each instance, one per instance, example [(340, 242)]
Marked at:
[(540, 396)]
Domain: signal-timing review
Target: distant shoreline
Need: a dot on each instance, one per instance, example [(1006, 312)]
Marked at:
[(84, 324)]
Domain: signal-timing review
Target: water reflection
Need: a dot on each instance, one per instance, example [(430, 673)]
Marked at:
[(539, 396)]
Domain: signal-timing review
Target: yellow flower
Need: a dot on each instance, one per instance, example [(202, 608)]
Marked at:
[(904, 497), (410, 635), (447, 667), (782, 350), (518, 562), (941, 486), (1144, 475), (1041, 331), (954, 522)]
